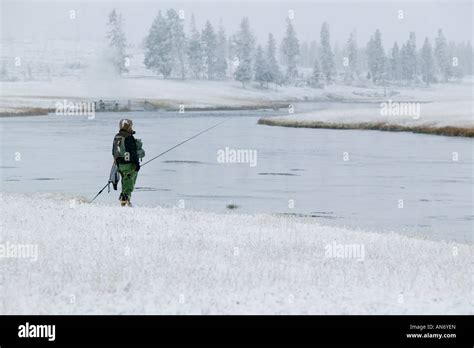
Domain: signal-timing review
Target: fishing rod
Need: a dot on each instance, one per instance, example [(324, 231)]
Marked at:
[(185, 141), (164, 152)]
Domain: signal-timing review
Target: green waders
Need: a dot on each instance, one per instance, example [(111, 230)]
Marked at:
[(129, 176)]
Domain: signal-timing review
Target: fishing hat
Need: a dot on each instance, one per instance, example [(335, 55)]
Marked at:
[(126, 125)]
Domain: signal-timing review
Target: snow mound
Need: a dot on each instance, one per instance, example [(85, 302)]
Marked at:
[(97, 259)]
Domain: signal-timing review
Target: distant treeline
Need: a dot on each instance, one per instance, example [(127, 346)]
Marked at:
[(171, 51), (211, 54)]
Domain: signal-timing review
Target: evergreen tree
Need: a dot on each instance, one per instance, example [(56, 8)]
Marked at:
[(351, 53), (442, 56), (457, 61), (261, 68), (313, 53), (158, 47), (409, 59), (395, 64), (178, 40), (221, 53), (291, 50), (273, 68), (117, 42), (404, 59), (194, 50), (427, 62), (376, 57), (304, 55), (231, 55), (209, 44), (317, 76), (338, 58), (326, 56), (244, 47)]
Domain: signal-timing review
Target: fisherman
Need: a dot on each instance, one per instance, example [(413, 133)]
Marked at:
[(122, 156), (127, 152)]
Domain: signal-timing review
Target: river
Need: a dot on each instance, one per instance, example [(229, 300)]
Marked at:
[(414, 184)]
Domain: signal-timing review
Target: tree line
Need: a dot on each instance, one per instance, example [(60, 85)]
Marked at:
[(172, 51)]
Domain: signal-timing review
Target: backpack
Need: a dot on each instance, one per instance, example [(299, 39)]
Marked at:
[(119, 151)]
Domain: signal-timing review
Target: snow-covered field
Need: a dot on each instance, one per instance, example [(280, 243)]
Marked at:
[(95, 258)]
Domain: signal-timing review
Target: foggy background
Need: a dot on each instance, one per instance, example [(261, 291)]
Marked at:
[(46, 20)]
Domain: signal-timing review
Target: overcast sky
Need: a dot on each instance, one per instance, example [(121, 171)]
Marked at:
[(44, 20)]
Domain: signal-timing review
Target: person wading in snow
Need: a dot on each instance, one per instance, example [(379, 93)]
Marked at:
[(127, 152)]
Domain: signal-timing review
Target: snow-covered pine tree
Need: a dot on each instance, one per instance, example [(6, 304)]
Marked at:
[(338, 59), (313, 53), (464, 57), (158, 47), (291, 49), (317, 76), (221, 53), (442, 56), (427, 62), (209, 46), (326, 56), (409, 59), (244, 47), (404, 57), (272, 63), (178, 41), (304, 55), (376, 57), (351, 53), (117, 43), (231, 55), (457, 61), (194, 51), (394, 61), (261, 68)]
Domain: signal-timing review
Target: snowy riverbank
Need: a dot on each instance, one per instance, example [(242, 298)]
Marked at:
[(442, 110), (209, 94), (443, 118), (168, 94), (445, 109), (106, 259)]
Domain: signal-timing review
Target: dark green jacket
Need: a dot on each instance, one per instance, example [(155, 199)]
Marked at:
[(130, 147)]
